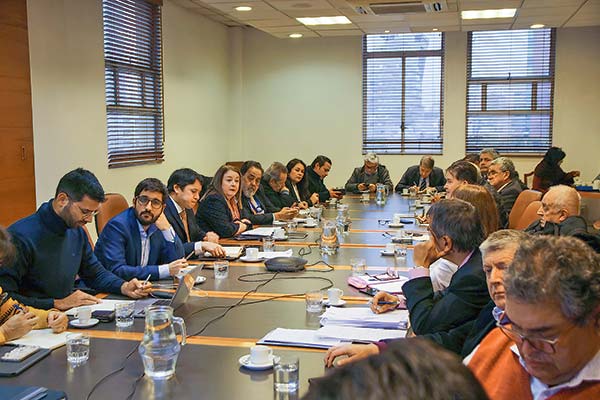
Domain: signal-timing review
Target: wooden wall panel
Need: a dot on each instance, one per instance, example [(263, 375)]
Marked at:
[(17, 173)]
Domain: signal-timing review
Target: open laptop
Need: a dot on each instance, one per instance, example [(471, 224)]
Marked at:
[(184, 288)]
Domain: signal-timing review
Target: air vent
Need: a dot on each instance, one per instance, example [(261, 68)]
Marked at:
[(387, 7)]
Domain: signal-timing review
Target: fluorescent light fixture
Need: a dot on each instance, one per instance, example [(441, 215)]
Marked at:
[(324, 20), (537, 26), (435, 29), (295, 35), (243, 8), (386, 31), (485, 14)]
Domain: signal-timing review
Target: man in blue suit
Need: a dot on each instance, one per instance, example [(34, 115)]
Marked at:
[(140, 242)]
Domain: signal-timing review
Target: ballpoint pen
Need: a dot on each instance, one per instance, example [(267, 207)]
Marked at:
[(189, 255), (147, 280)]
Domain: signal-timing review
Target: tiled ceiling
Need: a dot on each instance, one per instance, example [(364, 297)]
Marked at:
[(278, 17)]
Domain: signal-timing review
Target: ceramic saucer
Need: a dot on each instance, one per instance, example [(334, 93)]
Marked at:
[(279, 223), (251, 260), (387, 253), (338, 304), (76, 324), (246, 363), (200, 279), (394, 225), (310, 225)]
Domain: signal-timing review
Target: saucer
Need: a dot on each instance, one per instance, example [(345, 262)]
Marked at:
[(76, 324), (338, 304), (279, 223), (200, 279), (387, 253), (246, 363), (310, 225), (251, 260), (398, 225)]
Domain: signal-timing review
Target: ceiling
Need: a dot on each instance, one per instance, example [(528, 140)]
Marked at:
[(277, 17)]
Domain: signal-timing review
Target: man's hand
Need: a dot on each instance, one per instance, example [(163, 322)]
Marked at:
[(214, 249), (372, 187), (335, 194), (18, 325), (75, 299), (314, 198), (162, 222), (286, 213), (302, 205), (394, 302), (136, 289), (354, 352), (58, 321), (426, 254), (211, 237), (175, 266), (362, 187)]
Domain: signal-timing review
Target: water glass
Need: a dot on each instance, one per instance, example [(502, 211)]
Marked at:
[(401, 250), (221, 269), (286, 373), (268, 244), (292, 226), (124, 314), (314, 301), (359, 266), (78, 348)]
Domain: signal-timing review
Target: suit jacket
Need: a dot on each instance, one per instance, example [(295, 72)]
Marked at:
[(460, 302), (316, 185), (508, 195), (119, 248), (214, 215), (573, 225), (265, 218), (278, 200), (304, 196), (196, 234), (412, 177), (359, 176)]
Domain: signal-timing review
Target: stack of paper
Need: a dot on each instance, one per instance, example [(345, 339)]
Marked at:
[(363, 317), (259, 232), (230, 252), (348, 333), (393, 286), (272, 254), (297, 338)]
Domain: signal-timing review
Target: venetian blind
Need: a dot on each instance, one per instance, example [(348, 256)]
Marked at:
[(133, 81), (403, 93), (510, 86)]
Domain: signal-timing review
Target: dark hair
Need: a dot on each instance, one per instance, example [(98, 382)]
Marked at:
[(458, 220), (303, 184), (483, 202), (183, 177), (410, 369), (251, 164), (554, 155), (7, 249), (464, 171), (216, 185), (78, 183), (427, 162), (320, 161), (151, 185), (472, 158)]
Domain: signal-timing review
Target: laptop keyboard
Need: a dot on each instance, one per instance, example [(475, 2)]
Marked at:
[(164, 302)]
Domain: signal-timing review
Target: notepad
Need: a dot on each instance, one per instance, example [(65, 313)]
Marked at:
[(43, 338), (298, 338), (363, 317), (394, 286), (232, 252), (352, 334)]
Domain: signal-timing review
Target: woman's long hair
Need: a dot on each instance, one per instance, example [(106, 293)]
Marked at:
[(484, 203), (216, 185), (554, 155), (303, 184)]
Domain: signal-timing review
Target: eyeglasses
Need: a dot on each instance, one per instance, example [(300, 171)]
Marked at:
[(86, 213), (544, 345), (144, 200)]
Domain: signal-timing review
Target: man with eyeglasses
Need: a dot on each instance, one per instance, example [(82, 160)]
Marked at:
[(559, 213), (547, 344), (140, 241), (53, 248)]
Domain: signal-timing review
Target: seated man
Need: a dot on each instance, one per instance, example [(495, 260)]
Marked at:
[(547, 344), (460, 173), (256, 207), (140, 242), (486, 156), (185, 186), (53, 248), (318, 171), (559, 213), (422, 176), (503, 177), (17, 320), (369, 175), (273, 186)]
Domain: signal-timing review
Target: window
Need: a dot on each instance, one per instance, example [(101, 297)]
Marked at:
[(133, 80), (403, 93), (510, 86)]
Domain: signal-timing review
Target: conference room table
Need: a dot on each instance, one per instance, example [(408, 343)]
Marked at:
[(225, 317)]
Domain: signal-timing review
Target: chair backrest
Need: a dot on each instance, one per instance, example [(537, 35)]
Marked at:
[(89, 237), (524, 199), (237, 164), (529, 215), (526, 178), (114, 204)]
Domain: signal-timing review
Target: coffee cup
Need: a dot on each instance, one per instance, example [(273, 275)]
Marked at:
[(260, 354), (405, 191), (334, 295), (417, 203), (84, 314), (252, 253), (397, 218), (390, 248), (310, 221)]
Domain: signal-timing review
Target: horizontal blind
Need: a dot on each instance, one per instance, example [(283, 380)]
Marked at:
[(402, 93), (510, 91), (133, 82)]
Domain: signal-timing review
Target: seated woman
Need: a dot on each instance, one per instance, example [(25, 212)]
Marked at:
[(297, 183), (17, 320), (549, 173), (220, 208)]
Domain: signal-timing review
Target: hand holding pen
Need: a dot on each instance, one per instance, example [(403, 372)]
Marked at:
[(384, 302)]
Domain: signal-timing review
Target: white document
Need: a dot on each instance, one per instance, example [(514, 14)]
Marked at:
[(297, 338), (273, 254), (230, 252), (43, 338), (350, 334), (363, 317), (394, 286), (264, 231), (106, 305)]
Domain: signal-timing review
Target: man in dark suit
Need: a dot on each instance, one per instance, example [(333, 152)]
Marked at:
[(369, 175), (140, 242), (422, 176), (273, 185), (502, 176), (318, 171), (184, 186)]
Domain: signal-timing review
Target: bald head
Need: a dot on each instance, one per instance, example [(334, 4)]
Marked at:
[(559, 203)]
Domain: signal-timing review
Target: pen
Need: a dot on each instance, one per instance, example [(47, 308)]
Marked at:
[(18, 307), (382, 303), (189, 255), (146, 281)]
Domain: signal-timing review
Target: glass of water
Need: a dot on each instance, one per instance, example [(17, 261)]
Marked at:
[(124, 314), (268, 243), (286, 373), (359, 266), (314, 301), (221, 269), (78, 348)]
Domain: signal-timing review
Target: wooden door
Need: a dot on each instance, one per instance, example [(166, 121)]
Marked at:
[(17, 174)]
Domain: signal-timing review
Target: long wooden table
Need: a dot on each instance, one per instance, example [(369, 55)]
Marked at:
[(208, 365)]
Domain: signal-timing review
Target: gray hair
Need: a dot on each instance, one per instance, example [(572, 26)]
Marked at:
[(372, 158), (501, 240), (274, 171), (427, 162), (556, 269), (458, 220), (506, 165), (490, 151), (565, 198)]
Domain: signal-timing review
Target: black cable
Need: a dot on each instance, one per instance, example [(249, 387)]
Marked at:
[(134, 386), (116, 371)]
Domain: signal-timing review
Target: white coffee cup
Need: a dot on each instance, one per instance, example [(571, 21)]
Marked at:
[(390, 248), (397, 218), (417, 203), (84, 314), (252, 253), (335, 295), (310, 221), (405, 191), (260, 354)]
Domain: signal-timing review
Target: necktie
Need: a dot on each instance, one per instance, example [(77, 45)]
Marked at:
[(423, 184), (183, 216)]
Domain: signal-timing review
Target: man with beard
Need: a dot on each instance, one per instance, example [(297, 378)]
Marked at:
[(52, 248), (140, 242), (369, 175)]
